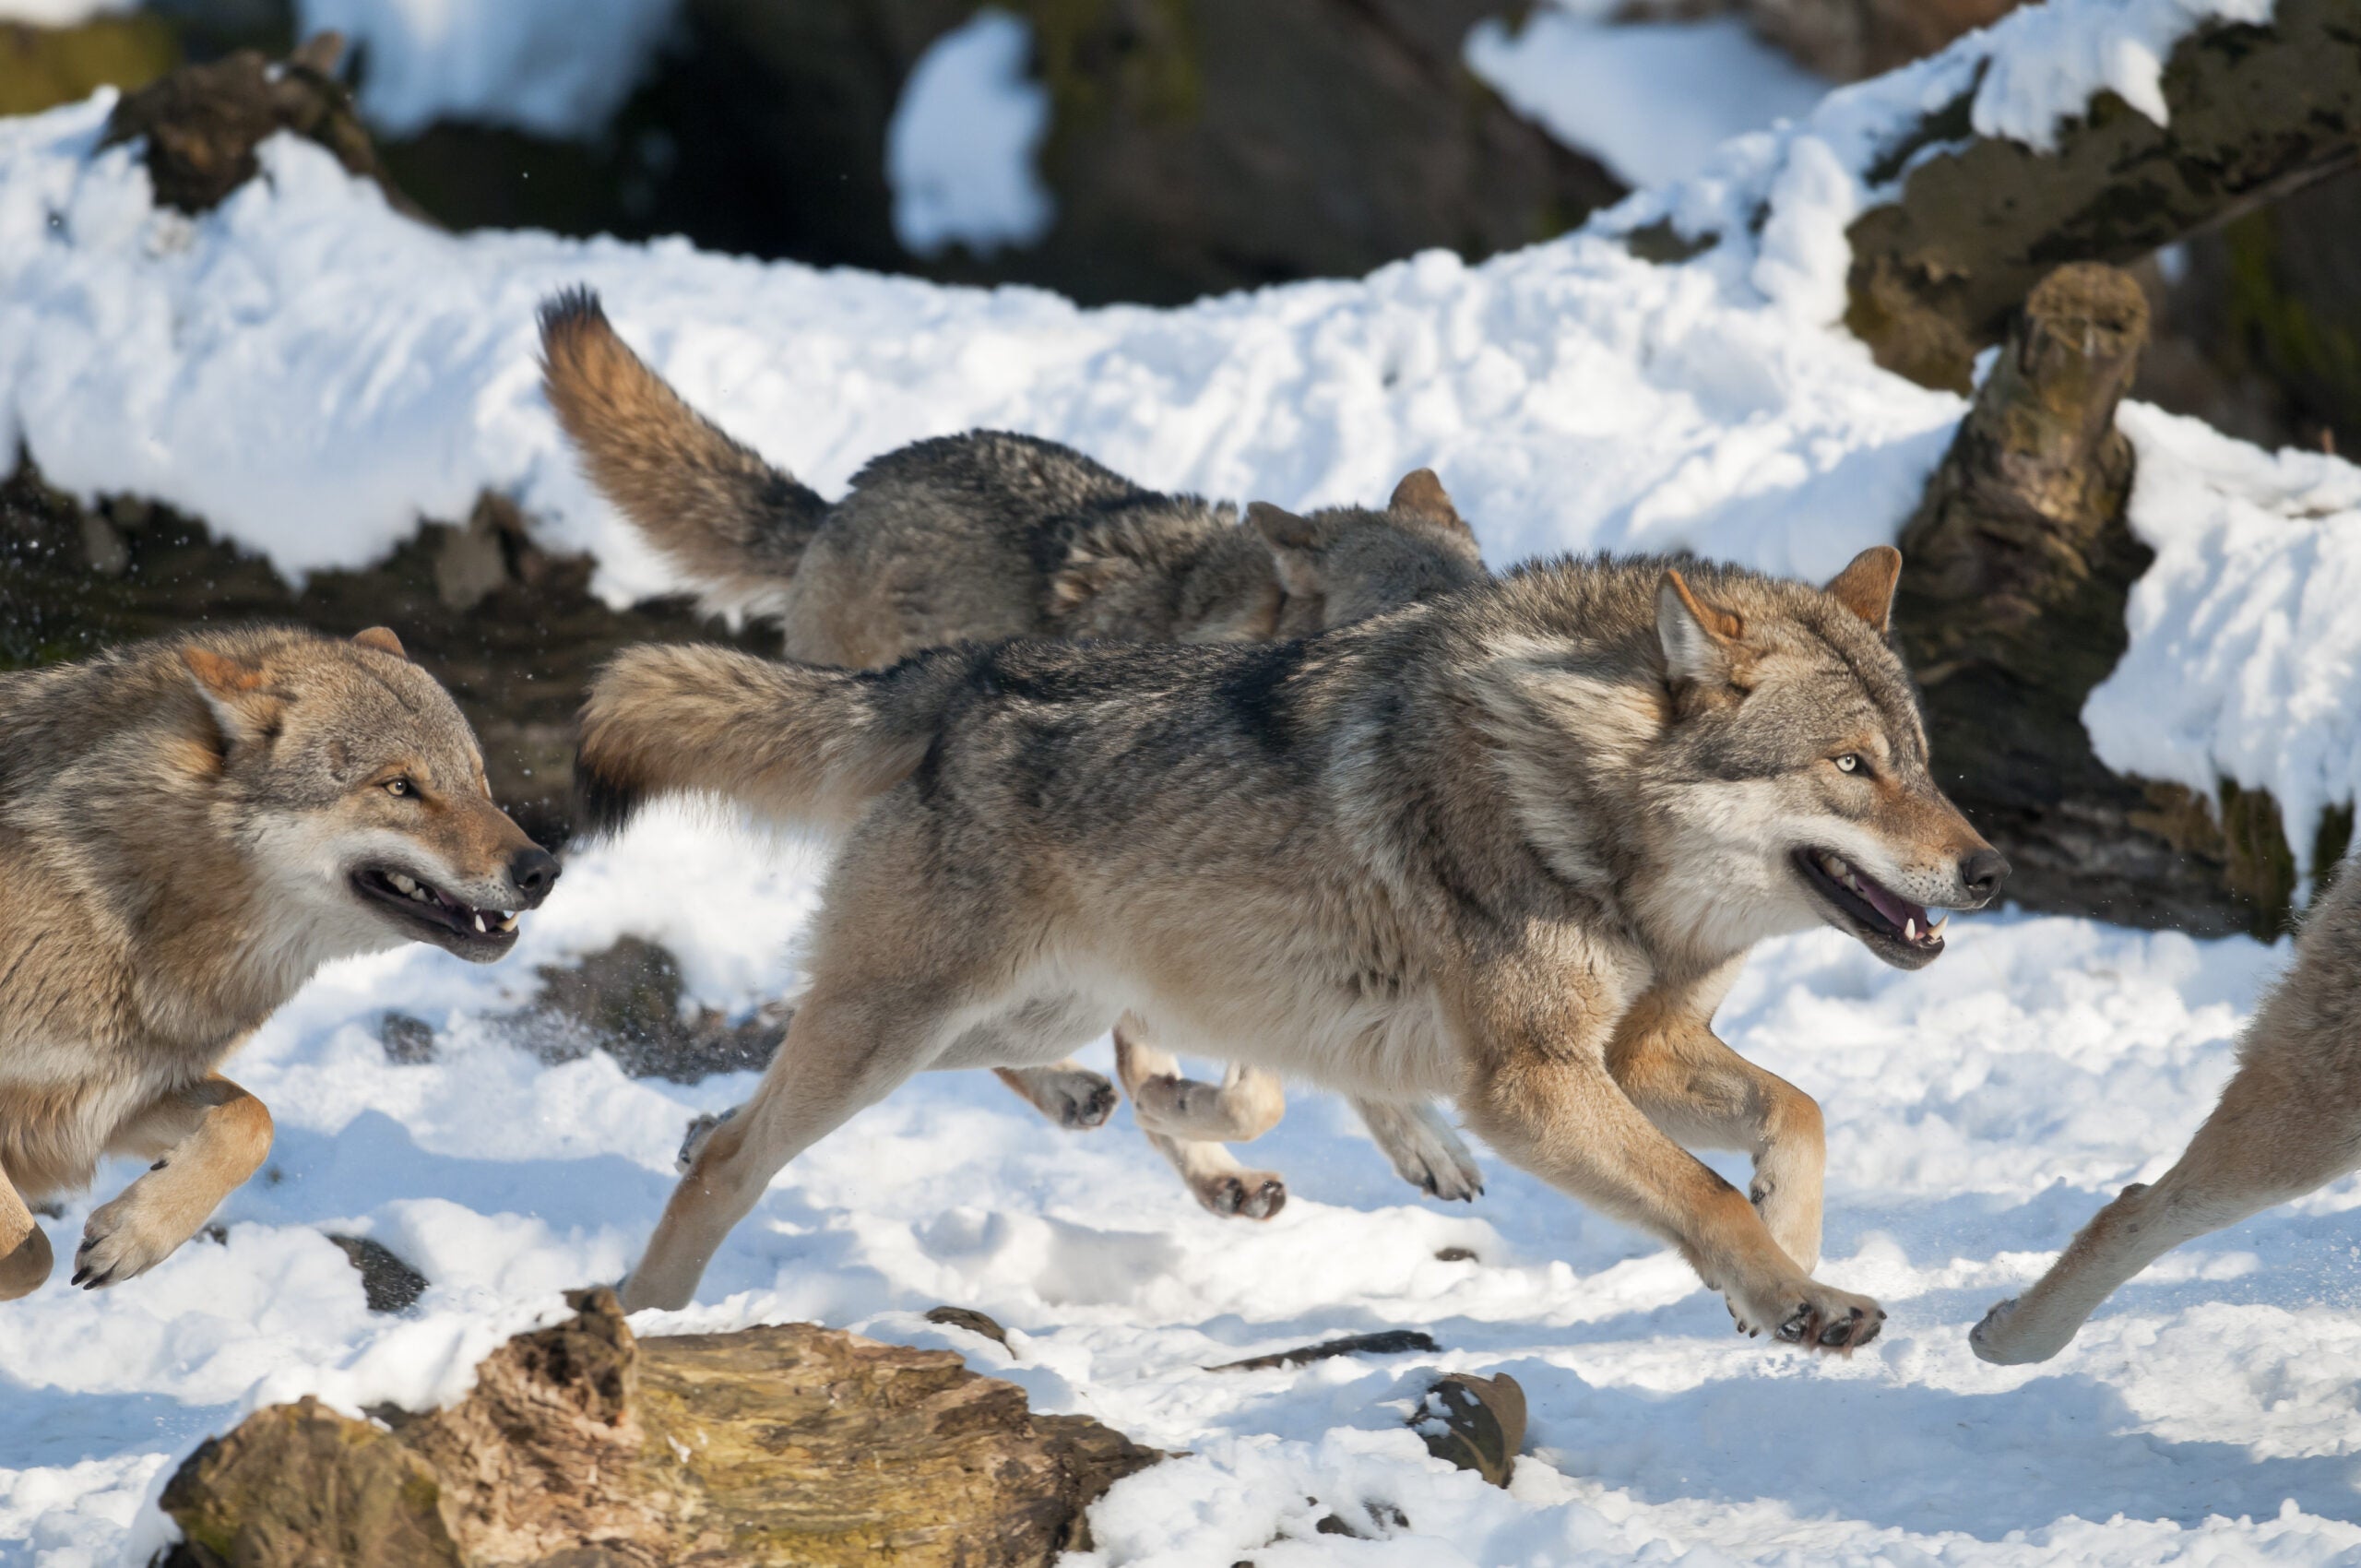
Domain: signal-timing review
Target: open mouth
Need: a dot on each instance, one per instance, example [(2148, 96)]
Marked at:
[(447, 922), (1888, 922)]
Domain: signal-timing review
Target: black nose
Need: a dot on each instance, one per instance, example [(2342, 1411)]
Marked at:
[(1984, 872), (533, 872)]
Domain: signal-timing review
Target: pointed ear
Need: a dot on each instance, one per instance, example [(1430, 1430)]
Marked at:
[(1700, 640), (1865, 587), (237, 693), (382, 639), (1294, 543), (1422, 494)]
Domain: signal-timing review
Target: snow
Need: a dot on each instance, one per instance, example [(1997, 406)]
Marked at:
[(1649, 100), (554, 67), (1976, 1114), (312, 373), (2065, 51), (61, 13), (960, 147), (2246, 650)]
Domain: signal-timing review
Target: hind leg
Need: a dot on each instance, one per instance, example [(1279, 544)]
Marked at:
[(2275, 1137), (1186, 1122), (25, 1256), (1067, 1092)]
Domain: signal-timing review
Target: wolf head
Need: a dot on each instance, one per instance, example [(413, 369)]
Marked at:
[(1348, 563), (1775, 753), (359, 786)]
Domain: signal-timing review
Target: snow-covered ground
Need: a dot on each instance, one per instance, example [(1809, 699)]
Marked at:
[(312, 373), (1976, 1112), (960, 147)]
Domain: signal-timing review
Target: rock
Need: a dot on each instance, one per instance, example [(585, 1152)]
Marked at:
[(971, 1320), (407, 1041), (388, 1284), (580, 1445), (626, 1000), (1385, 1342)]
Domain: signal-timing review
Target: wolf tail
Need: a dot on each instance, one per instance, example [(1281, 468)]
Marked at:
[(795, 742), (732, 523)]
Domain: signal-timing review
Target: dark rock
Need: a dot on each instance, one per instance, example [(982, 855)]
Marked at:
[(580, 1445), (389, 1284), (1455, 1254), (1385, 1342), (626, 1000), (407, 1041)]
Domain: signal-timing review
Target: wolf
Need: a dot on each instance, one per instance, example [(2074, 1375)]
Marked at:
[(2289, 1122), (987, 536), (1508, 846), (188, 828)]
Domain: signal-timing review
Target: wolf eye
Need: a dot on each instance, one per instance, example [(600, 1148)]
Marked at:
[(400, 787), (1849, 763)]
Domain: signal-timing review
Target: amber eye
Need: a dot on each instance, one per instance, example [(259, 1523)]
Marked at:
[(400, 787), (1849, 763)]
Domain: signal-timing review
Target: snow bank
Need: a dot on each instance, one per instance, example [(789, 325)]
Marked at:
[(2246, 644), (554, 67), (1650, 100), (959, 149)]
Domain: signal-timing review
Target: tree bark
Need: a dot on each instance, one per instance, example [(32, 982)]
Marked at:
[(2256, 111)]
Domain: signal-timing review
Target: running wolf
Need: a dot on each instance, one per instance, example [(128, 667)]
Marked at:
[(1510, 846), (986, 536), (2289, 1122), (188, 828)]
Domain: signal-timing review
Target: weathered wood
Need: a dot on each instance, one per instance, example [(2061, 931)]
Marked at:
[(783, 1445), (2256, 111), (2017, 567)]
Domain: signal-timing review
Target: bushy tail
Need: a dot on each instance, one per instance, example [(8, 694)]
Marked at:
[(728, 521), (796, 742)]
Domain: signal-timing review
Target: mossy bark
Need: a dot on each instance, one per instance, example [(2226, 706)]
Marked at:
[(579, 1444), (2256, 111)]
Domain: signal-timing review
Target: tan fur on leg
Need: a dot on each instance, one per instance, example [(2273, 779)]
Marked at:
[(206, 1141), (24, 1257), (1163, 1099)]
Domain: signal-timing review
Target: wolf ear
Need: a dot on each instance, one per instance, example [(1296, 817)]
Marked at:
[(1422, 494), (1294, 543), (1700, 641), (237, 693), (1865, 587), (382, 639)]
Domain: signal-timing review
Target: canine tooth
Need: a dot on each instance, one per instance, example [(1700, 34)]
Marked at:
[(1937, 929), (507, 923), (478, 922), (1910, 929)]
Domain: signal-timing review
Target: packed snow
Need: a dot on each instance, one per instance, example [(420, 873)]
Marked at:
[(1650, 100), (312, 373), (960, 147), (554, 67)]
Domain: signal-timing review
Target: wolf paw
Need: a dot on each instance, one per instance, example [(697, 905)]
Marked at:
[(24, 1269), (121, 1241), (701, 1127), (1431, 1159), (1085, 1100), (1248, 1194), (2007, 1337), (1821, 1319)]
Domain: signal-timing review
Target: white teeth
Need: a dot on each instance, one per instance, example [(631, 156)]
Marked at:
[(418, 894), (1909, 931), (508, 922), (478, 922), (1833, 865), (1852, 882), (1937, 929), (401, 883)]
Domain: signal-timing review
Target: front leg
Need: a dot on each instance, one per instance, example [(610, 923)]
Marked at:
[(1424, 1149), (25, 1256), (1666, 1057), (206, 1140), (1541, 1093)]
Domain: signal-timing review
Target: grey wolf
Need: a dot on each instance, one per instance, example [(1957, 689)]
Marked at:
[(1508, 846), (188, 828), (2289, 1122), (987, 536)]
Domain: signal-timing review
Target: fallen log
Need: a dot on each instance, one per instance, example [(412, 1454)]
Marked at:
[(581, 1446)]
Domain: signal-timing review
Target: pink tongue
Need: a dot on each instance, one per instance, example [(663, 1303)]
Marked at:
[(1891, 908)]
